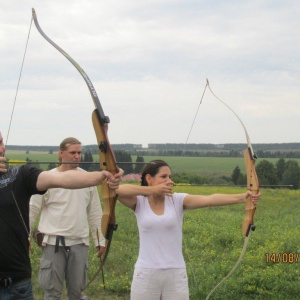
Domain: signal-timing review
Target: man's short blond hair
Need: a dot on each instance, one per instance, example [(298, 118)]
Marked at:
[(66, 143)]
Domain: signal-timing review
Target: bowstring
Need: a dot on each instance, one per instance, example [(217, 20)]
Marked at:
[(183, 150), (19, 80), (10, 122), (246, 241), (188, 136)]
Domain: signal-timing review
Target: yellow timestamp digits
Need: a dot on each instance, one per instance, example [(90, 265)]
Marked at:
[(286, 258)]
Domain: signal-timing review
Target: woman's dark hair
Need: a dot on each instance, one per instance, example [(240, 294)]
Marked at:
[(152, 168)]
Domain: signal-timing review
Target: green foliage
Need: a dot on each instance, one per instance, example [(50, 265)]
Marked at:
[(189, 178), (123, 156), (139, 167), (266, 173), (242, 180), (88, 157), (291, 174), (236, 174), (280, 167), (212, 243), (285, 173)]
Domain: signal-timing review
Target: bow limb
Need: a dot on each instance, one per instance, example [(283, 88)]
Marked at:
[(106, 154)]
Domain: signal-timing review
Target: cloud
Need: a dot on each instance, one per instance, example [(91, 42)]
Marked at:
[(149, 62)]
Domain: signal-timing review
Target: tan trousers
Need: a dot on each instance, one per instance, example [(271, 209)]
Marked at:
[(70, 265)]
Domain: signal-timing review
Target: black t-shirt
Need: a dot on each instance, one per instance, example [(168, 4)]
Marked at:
[(17, 184)]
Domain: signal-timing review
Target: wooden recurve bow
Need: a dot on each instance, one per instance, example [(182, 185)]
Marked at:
[(252, 185), (106, 154)]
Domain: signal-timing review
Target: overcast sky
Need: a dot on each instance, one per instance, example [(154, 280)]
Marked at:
[(148, 61)]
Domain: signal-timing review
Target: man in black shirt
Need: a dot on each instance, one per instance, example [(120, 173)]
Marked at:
[(17, 185)]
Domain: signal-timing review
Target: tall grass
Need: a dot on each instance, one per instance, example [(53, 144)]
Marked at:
[(212, 244)]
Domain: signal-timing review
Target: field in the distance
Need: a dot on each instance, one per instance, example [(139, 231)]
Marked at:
[(205, 166)]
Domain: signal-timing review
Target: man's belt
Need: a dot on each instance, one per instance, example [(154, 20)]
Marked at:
[(62, 240)]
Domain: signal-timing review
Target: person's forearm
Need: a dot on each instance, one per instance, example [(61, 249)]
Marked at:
[(197, 201), (78, 180), (69, 180), (131, 190), (226, 199)]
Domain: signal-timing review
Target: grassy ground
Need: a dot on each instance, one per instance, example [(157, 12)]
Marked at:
[(212, 244)]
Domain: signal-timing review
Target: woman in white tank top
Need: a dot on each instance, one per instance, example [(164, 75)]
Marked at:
[(160, 271)]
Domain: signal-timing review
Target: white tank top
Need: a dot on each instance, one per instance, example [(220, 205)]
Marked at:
[(160, 235)]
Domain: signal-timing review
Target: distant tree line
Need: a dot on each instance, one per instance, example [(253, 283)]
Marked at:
[(283, 173), (230, 153), (225, 147), (289, 150), (120, 147), (277, 154), (285, 150)]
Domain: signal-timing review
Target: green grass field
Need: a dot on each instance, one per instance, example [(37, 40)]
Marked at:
[(212, 244), (213, 241)]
